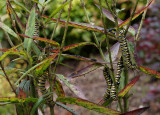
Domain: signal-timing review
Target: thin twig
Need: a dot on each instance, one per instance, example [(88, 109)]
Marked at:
[(57, 22), (135, 7), (141, 23), (6, 76), (63, 39)]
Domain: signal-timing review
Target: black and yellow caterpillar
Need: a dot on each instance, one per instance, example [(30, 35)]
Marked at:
[(125, 51), (41, 84), (108, 81), (117, 79), (36, 30)]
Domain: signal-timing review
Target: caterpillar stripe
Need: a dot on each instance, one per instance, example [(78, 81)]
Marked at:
[(36, 29), (113, 92), (117, 78), (108, 81), (119, 70), (125, 51), (41, 85)]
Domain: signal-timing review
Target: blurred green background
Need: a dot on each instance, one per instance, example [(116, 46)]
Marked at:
[(74, 35)]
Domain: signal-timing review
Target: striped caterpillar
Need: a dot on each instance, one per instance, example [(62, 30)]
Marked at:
[(41, 85)]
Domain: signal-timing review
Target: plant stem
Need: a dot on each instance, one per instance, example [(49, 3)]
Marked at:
[(57, 22), (8, 78), (62, 44), (131, 17), (113, 12), (141, 23), (125, 98)]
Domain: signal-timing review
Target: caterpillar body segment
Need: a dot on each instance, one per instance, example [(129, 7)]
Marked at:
[(113, 92), (125, 51), (41, 84), (108, 81), (119, 71), (36, 30)]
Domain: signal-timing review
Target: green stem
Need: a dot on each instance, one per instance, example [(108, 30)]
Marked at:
[(57, 22), (142, 20), (131, 17), (126, 99), (113, 12)]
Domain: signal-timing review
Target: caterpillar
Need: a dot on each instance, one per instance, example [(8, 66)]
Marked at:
[(113, 92), (119, 70), (117, 78), (108, 81), (41, 85), (36, 29), (125, 51)]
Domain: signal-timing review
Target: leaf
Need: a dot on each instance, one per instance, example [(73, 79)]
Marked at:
[(30, 30), (12, 51), (149, 71), (28, 71), (56, 44), (21, 86), (8, 30), (17, 100), (114, 52), (36, 105), (135, 16), (110, 17), (59, 89), (57, 10), (77, 57), (5, 50), (128, 87), (67, 108), (10, 11), (136, 112), (41, 68), (81, 25), (84, 71), (21, 5), (21, 94), (66, 48), (88, 105), (73, 88)]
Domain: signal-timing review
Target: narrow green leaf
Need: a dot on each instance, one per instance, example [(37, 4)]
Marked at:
[(87, 105), (8, 30), (67, 108), (30, 30), (36, 105), (128, 87), (31, 69), (73, 88), (17, 100), (149, 71), (40, 69), (12, 51), (57, 10), (59, 89), (21, 5)]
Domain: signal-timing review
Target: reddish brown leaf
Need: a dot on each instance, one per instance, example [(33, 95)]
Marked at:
[(59, 89), (66, 48), (77, 57), (135, 16), (84, 71), (56, 44), (21, 94), (136, 112), (5, 50), (149, 71), (128, 87)]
